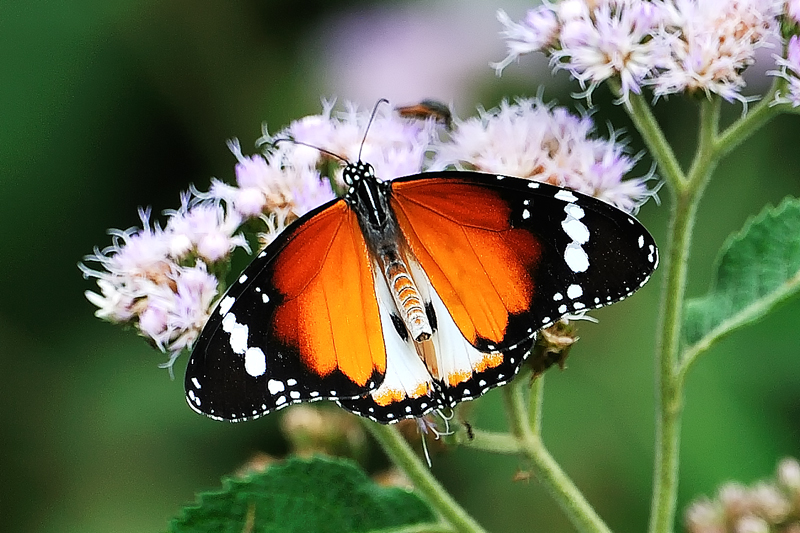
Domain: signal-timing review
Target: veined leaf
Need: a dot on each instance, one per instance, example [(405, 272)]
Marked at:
[(319, 494), (757, 268)]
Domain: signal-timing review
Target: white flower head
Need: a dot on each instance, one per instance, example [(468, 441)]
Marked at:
[(394, 146), (710, 43), (285, 179), (530, 139), (789, 70), (207, 226), (793, 10), (594, 41), (674, 46)]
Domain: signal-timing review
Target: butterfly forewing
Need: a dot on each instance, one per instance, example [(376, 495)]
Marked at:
[(301, 323), (509, 256)]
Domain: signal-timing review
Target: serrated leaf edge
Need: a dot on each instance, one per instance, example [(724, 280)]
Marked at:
[(752, 312)]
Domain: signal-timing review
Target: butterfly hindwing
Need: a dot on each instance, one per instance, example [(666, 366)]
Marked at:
[(436, 373), (409, 389), (301, 323)]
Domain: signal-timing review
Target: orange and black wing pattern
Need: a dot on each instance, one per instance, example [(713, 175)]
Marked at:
[(301, 323), (507, 256)]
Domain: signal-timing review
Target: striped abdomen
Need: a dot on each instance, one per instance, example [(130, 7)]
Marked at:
[(406, 296)]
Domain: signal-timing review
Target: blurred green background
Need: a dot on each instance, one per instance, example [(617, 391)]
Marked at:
[(106, 105)]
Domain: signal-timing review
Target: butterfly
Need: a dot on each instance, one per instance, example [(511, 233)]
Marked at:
[(411, 295)]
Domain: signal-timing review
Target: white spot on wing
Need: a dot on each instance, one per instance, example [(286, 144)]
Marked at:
[(242, 278), (576, 230), (526, 214), (574, 291), (196, 383), (275, 386), (576, 258), (566, 196), (255, 362), (225, 304), (238, 333)]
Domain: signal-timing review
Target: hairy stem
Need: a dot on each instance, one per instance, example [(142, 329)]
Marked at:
[(660, 150), (545, 468), (535, 402), (759, 115), (404, 457), (669, 390)]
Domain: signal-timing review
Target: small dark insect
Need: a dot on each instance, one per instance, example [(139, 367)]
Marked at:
[(427, 109)]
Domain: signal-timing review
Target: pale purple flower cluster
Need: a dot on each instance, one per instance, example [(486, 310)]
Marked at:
[(158, 280), (164, 282), (672, 46), (395, 146), (789, 70), (766, 506), (530, 139)]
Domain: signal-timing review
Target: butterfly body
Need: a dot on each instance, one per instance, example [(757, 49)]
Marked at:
[(369, 199), (411, 295)]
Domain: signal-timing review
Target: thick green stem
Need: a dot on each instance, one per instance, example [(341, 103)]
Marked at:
[(545, 468), (535, 402), (404, 457), (660, 150), (759, 115), (491, 441), (669, 389)]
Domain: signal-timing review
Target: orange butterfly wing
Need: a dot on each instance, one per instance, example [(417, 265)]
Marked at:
[(301, 323), (481, 266)]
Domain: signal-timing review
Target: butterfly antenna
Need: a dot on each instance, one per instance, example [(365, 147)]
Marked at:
[(274, 144), (371, 118)]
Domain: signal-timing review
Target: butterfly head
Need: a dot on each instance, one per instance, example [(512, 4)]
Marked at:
[(366, 194), (354, 173)]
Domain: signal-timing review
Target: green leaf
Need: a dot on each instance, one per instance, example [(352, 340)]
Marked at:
[(758, 268), (319, 494)]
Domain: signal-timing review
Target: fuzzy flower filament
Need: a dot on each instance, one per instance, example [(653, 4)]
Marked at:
[(530, 139), (672, 46)]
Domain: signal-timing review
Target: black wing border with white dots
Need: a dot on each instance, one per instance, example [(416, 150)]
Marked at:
[(217, 383), (621, 253)]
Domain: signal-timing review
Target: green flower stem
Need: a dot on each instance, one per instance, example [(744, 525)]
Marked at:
[(420, 475), (669, 391), (535, 405), (642, 116), (418, 528), (721, 145), (759, 115), (490, 441), (545, 468)]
